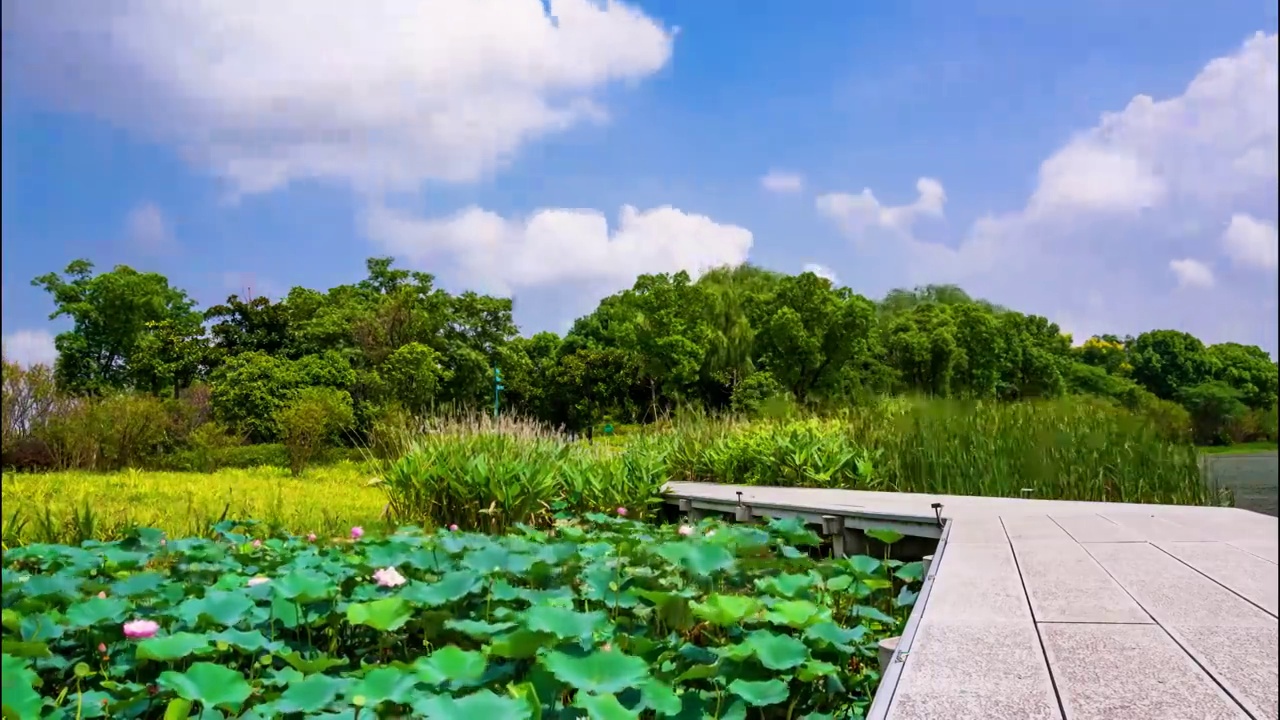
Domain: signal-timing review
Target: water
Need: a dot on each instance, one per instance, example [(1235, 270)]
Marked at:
[(1253, 478)]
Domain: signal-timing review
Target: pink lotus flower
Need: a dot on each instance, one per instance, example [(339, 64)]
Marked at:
[(606, 647), (257, 580), (140, 629), (357, 532), (622, 511), (686, 530), (311, 537), (102, 594), (453, 528), (388, 577), (163, 542), (257, 543), (102, 648)]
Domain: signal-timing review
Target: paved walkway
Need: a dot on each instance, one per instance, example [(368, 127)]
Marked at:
[(1043, 609)]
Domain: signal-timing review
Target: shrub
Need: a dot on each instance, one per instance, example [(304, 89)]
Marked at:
[(312, 420)]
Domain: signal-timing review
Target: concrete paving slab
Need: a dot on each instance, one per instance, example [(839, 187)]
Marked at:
[(1065, 584), (1249, 576), (1242, 659), (1032, 527), (1137, 672), (1267, 550), (979, 672), (1172, 592), (984, 530), (977, 584), (1095, 528), (1153, 527)]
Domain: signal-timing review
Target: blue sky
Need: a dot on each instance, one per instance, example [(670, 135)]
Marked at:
[(230, 144)]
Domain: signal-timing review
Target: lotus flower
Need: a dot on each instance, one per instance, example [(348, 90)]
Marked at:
[(710, 533), (453, 528), (311, 537), (257, 543), (622, 511), (257, 580), (357, 532), (388, 577), (140, 629), (686, 530)]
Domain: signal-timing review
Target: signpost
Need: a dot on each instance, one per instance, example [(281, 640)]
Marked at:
[(498, 387)]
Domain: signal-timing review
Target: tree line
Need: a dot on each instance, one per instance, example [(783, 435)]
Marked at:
[(734, 340)]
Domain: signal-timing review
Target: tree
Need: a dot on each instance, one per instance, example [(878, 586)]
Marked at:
[(1167, 361), (810, 331), (1248, 370), (413, 374), (112, 313)]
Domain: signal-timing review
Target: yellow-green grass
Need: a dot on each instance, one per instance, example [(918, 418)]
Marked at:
[(70, 507)]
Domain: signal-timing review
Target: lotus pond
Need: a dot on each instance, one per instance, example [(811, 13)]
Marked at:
[(597, 617)]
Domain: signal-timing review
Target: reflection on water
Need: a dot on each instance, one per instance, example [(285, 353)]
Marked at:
[(1253, 478)]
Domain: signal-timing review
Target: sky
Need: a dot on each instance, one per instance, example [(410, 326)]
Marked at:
[(1111, 166)]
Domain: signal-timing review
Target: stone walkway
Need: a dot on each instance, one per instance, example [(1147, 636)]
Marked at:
[(1044, 609)]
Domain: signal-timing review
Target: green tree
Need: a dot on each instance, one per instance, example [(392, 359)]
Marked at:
[(112, 314), (1248, 370), (1166, 362)]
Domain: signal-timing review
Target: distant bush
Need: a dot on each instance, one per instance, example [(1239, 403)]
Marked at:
[(312, 420), (1215, 409)]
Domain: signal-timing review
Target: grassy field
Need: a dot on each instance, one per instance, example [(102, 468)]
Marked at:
[(74, 506)]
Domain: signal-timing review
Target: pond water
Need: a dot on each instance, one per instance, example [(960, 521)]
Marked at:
[(1253, 478)]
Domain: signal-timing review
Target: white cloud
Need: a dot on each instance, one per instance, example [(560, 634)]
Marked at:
[(821, 271), (778, 181), (1091, 248), (148, 230), (30, 347), (1192, 273), (856, 214), (554, 246), (382, 94), (1251, 242)]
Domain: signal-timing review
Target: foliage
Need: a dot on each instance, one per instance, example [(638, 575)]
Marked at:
[(312, 420), (1215, 408), (735, 340), (604, 616)]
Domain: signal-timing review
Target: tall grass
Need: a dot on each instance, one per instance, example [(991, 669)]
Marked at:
[(489, 476)]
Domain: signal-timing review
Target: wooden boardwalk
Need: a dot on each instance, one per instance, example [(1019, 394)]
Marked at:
[(1043, 609)]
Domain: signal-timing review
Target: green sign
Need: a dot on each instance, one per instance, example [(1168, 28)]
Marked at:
[(608, 429)]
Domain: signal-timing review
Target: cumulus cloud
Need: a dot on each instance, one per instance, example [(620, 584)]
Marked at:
[(1251, 242), (821, 271), (1192, 273), (148, 230), (30, 347), (1123, 204), (778, 181), (554, 246), (382, 95), (856, 214)]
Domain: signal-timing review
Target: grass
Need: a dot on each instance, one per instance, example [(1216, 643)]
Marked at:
[(1260, 446), (602, 618), (70, 507)]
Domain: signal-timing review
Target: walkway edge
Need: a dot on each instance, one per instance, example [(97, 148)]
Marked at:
[(883, 700)]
